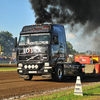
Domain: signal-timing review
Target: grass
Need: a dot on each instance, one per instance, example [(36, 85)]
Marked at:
[(8, 69), (89, 93)]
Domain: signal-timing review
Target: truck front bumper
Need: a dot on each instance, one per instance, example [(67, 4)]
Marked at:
[(42, 71)]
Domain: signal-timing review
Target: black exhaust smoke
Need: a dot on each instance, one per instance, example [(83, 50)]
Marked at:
[(67, 11)]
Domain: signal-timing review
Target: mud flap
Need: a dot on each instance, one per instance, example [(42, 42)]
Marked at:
[(46, 76), (24, 76)]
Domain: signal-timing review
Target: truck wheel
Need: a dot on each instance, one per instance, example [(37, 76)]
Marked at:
[(28, 78), (58, 74)]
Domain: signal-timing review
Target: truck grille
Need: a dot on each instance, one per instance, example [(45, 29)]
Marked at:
[(28, 57), (36, 57)]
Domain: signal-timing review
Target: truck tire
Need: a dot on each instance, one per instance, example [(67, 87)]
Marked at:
[(28, 78), (58, 74)]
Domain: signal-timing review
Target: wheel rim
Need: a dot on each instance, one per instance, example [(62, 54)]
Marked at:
[(59, 73)]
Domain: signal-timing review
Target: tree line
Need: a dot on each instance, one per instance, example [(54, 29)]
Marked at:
[(70, 49), (7, 42)]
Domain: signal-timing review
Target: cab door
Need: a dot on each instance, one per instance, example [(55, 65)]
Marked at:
[(55, 47)]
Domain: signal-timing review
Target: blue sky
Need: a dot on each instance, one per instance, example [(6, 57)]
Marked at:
[(14, 14)]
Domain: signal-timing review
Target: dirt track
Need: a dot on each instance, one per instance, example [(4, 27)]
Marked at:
[(7, 66), (11, 85)]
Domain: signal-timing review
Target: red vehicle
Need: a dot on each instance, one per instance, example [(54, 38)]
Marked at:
[(92, 65)]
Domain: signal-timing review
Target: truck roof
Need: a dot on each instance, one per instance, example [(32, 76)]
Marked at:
[(42, 28)]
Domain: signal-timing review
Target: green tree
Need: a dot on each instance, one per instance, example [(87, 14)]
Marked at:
[(7, 42), (70, 49)]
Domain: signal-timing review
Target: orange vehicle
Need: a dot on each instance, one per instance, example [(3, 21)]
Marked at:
[(92, 65)]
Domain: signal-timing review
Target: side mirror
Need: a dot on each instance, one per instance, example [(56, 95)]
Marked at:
[(15, 42)]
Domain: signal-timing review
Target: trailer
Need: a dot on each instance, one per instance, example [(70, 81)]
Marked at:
[(92, 64)]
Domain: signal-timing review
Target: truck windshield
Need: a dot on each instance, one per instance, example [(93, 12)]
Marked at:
[(43, 38)]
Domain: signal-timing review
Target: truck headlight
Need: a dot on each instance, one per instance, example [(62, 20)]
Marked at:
[(46, 64), (20, 65), (25, 66), (36, 66), (33, 66), (29, 66)]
